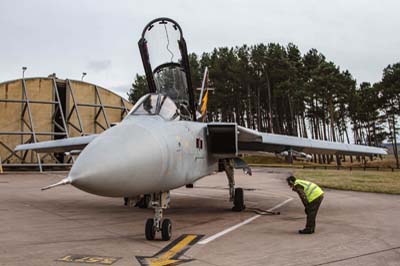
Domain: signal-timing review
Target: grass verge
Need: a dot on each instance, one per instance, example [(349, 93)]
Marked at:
[(379, 182), (386, 164)]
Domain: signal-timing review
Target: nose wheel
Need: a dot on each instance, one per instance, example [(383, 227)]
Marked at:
[(152, 229), (166, 229), (159, 201)]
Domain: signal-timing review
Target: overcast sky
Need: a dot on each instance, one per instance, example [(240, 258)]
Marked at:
[(69, 37)]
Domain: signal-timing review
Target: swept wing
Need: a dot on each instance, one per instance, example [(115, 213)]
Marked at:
[(62, 145), (229, 139), (251, 141)]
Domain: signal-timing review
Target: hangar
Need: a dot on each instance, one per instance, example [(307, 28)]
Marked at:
[(47, 108)]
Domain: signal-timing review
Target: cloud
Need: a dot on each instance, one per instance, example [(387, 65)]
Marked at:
[(355, 34), (99, 65)]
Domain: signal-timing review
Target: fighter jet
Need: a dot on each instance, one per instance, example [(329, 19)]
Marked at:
[(163, 144)]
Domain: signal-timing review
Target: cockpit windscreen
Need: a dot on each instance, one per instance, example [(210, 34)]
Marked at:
[(156, 104)]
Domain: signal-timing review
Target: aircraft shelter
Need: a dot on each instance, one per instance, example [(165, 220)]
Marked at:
[(48, 108)]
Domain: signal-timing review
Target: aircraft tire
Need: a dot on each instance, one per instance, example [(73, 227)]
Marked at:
[(166, 229), (238, 201), (150, 230)]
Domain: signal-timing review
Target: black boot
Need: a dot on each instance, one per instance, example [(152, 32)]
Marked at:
[(306, 231)]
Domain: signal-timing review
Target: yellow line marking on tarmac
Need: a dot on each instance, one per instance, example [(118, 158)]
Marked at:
[(175, 249), (170, 254)]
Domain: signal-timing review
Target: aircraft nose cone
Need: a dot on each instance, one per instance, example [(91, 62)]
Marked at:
[(123, 161)]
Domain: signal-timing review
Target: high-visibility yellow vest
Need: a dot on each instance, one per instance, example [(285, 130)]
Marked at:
[(312, 190)]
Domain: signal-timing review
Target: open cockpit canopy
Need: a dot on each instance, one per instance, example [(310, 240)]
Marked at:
[(165, 60)]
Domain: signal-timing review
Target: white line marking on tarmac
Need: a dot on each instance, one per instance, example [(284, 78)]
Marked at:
[(280, 204), (230, 229)]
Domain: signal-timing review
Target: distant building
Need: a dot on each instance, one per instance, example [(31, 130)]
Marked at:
[(40, 109)]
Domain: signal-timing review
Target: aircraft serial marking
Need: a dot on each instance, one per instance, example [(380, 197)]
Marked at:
[(89, 259)]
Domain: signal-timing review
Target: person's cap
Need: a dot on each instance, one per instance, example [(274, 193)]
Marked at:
[(291, 179)]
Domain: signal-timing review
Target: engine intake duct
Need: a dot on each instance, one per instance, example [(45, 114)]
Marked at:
[(222, 139)]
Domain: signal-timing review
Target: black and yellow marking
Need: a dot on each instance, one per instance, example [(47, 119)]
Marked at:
[(170, 254), (89, 259)]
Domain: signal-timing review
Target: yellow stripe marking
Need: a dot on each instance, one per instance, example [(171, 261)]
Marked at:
[(165, 259)]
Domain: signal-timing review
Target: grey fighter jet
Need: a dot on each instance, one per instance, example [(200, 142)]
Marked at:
[(162, 144)]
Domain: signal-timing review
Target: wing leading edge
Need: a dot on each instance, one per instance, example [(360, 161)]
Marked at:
[(253, 141), (62, 145)]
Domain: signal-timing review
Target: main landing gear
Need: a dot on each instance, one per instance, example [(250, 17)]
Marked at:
[(159, 202), (235, 194), (142, 201)]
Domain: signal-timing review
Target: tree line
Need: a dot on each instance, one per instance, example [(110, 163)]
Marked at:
[(274, 88)]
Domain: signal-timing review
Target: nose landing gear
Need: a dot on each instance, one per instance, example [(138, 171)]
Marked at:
[(159, 201)]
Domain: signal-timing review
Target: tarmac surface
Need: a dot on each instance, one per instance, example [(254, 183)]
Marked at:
[(39, 228)]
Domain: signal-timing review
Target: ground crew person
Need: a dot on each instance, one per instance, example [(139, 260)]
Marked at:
[(311, 195)]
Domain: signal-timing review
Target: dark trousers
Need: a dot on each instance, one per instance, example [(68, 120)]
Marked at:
[(311, 211)]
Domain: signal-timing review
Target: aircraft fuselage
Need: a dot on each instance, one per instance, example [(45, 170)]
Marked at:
[(142, 155)]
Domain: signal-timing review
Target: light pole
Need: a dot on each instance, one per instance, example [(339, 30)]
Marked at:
[(24, 68), (83, 75)]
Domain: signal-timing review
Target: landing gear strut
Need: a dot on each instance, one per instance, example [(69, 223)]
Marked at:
[(159, 202), (235, 194)]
